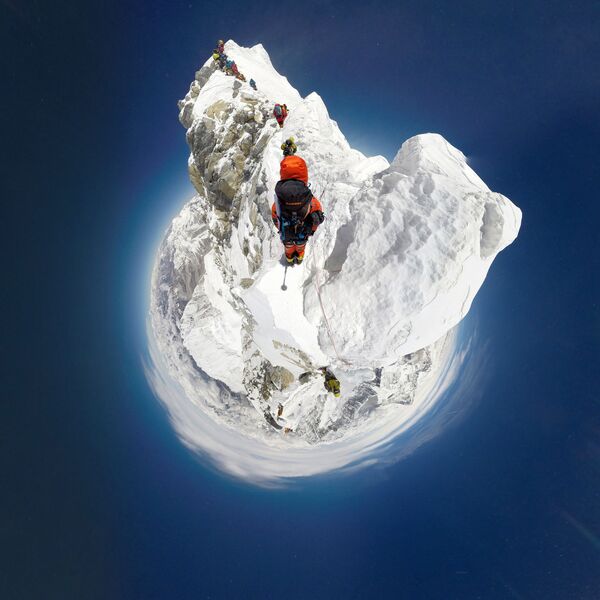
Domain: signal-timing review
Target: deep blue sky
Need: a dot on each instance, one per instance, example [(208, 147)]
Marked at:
[(98, 497)]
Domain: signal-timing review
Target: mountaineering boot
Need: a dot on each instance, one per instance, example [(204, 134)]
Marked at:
[(290, 260), (299, 259)]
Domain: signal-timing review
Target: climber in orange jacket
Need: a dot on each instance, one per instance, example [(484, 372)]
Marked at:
[(296, 212)]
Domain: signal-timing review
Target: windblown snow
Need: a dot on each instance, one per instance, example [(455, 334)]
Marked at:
[(389, 274)]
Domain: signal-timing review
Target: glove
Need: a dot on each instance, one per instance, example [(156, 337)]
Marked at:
[(317, 218)]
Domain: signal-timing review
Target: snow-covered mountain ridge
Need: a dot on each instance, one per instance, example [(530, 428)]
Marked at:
[(393, 269)]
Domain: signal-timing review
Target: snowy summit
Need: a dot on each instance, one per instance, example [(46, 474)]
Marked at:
[(391, 271)]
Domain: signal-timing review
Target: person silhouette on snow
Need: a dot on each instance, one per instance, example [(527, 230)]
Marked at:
[(331, 382), (280, 112), (220, 46), (253, 84), (296, 213)]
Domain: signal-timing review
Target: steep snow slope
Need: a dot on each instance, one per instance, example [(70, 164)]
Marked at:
[(393, 269), (420, 237)]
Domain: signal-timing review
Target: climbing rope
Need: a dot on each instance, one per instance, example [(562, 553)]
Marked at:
[(328, 326), (318, 289)]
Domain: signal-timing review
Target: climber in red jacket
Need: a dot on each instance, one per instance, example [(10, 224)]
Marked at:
[(280, 112), (296, 212)]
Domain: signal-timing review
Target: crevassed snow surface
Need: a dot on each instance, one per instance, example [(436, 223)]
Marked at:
[(387, 278)]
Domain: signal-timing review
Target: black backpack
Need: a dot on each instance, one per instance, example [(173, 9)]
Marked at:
[(294, 198)]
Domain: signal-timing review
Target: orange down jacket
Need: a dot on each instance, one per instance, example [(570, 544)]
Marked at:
[(294, 167)]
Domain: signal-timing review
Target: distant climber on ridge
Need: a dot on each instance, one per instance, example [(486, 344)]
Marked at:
[(280, 112), (220, 46), (289, 147), (296, 212), (332, 383)]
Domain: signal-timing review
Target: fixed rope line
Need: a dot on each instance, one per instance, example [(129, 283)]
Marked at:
[(328, 326), (318, 288)]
